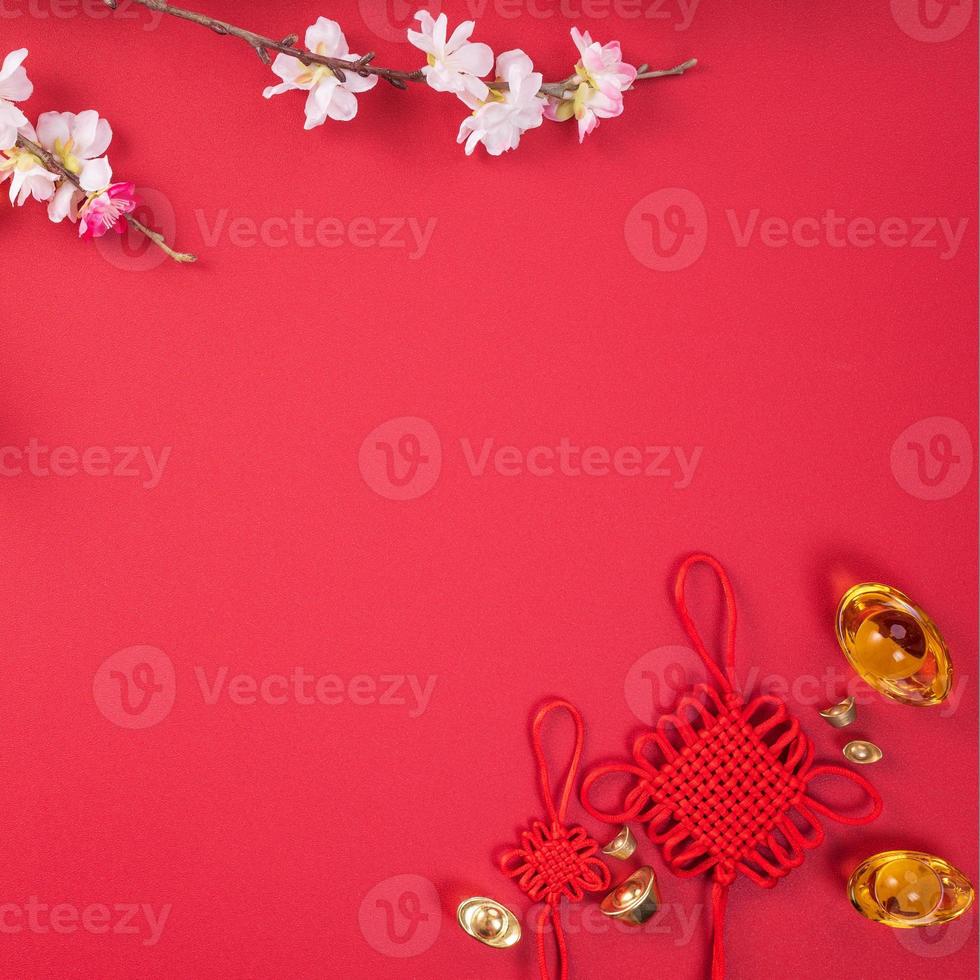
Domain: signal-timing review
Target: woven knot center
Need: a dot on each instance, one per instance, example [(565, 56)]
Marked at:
[(557, 861), (727, 788)]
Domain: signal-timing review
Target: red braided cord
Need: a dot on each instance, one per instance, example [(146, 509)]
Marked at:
[(725, 683), (555, 861), (557, 816), (730, 787)]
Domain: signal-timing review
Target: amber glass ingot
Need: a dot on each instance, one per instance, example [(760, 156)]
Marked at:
[(908, 889), (894, 645)]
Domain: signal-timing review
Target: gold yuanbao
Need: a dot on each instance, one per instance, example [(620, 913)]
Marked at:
[(634, 900), (894, 645), (842, 714), (622, 845), (862, 753), (489, 922), (908, 889)]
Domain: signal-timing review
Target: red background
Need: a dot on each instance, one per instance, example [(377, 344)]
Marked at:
[(527, 320)]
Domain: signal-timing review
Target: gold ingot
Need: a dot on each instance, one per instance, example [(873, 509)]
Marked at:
[(894, 645), (489, 922), (842, 714), (634, 900), (908, 889), (862, 753), (622, 845)]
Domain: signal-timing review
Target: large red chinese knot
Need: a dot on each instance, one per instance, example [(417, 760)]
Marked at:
[(723, 784), (555, 861)]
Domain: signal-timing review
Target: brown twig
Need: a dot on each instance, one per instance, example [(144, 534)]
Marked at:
[(263, 45), (54, 164), (339, 66)]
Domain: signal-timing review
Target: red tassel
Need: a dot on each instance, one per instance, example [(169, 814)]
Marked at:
[(719, 903)]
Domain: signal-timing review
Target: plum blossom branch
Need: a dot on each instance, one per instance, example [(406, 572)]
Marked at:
[(557, 89), (515, 101), (287, 45), (54, 165)]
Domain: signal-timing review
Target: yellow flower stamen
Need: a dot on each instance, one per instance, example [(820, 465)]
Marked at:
[(580, 98), (63, 151), (19, 159), (311, 74)]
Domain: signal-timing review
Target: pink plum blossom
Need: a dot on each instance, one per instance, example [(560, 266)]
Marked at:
[(602, 77), (102, 211)]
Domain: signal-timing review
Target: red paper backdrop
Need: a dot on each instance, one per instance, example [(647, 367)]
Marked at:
[(785, 362)]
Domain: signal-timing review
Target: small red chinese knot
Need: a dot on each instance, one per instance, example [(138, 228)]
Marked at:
[(555, 861)]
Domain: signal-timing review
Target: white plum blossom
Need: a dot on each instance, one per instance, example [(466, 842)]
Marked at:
[(329, 97), (28, 176), (78, 143), (455, 64), (602, 77), (499, 122), (15, 86)]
